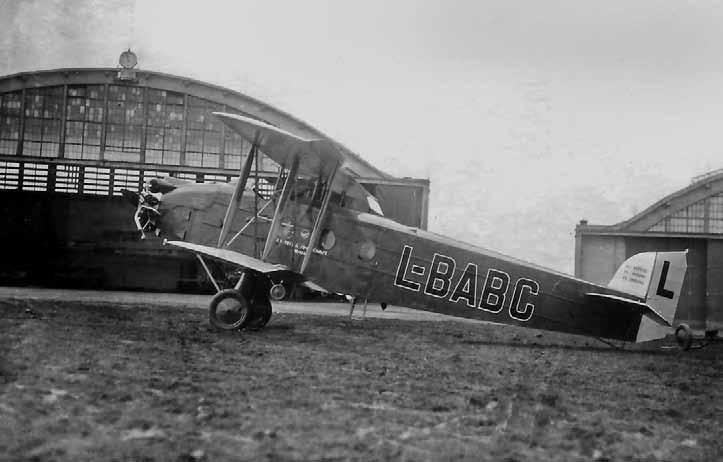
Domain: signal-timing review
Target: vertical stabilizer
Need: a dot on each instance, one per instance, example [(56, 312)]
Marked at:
[(633, 276), (657, 278)]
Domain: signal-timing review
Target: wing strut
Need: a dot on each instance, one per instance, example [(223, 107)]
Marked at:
[(274, 229), (257, 215), (235, 203), (319, 219)]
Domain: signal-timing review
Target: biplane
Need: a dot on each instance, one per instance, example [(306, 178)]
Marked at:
[(319, 226)]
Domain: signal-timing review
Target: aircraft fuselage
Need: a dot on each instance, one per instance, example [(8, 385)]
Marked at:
[(377, 259)]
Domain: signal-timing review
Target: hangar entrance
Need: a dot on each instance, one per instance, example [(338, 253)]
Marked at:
[(72, 139)]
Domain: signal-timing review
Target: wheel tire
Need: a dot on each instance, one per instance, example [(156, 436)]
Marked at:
[(225, 321), (684, 336), (278, 292), (260, 313)]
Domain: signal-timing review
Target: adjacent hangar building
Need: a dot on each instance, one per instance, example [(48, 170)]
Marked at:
[(691, 218), (71, 139)]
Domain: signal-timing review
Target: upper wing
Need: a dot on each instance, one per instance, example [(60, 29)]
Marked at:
[(317, 157), (230, 256)]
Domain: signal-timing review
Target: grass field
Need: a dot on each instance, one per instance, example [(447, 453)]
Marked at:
[(92, 381)]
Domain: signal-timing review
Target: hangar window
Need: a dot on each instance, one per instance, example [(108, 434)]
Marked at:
[(188, 176), (124, 131), (84, 117), (67, 178), (216, 178), (203, 138), (264, 187), (234, 147), (164, 125), (690, 219), (125, 179), (43, 111), (9, 175), (96, 181), (35, 177), (715, 223), (148, 175), (10, 106)]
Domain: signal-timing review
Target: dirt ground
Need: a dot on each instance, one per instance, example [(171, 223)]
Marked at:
[(95, 381)]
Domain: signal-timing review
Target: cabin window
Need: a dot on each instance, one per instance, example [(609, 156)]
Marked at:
[(327, 239)]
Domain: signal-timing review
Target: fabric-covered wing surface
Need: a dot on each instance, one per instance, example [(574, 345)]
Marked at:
[(230, 256), (317, 157)]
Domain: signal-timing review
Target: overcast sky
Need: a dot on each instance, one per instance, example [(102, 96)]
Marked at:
[(526, 116)]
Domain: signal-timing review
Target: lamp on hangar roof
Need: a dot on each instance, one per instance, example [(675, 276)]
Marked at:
[(127, 60)]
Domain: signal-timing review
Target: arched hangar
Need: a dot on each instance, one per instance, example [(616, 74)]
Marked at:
[(71, 139), (691, 218)]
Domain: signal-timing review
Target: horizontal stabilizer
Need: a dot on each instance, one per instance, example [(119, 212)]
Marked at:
[(230, 256), (633, 305)]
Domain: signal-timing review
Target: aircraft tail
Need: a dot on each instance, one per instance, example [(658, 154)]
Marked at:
[(657, 278)]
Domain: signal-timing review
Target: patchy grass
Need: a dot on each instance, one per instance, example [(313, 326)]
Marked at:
[(99, 382)]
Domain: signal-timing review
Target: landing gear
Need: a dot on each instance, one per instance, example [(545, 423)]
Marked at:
[(246, 305), (685, 338), (278, 292), (228, 310), (261, 313)]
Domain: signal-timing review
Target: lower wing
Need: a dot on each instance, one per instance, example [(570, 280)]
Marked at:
[(237, 258), (230, 256)]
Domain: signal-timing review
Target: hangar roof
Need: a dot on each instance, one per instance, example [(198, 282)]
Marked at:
[(694, 210), (231, 99)]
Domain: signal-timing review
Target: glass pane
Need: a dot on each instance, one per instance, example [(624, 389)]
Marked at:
[(134, 113), (695, 225), (133, 136), (697, 210), (8, 147), (9, 127), (171, 158), (212, 142), (210, 160), (677, 225), (716, 226), (154, 138), (92, 133), (33, 130), (194, 141), (716, 206), (156, 115), (193, 159), (73, 132), (51, 130), (172, 140)]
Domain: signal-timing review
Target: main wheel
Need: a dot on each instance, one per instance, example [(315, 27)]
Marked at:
[(228, 310), (260, 313), (684, 336)]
